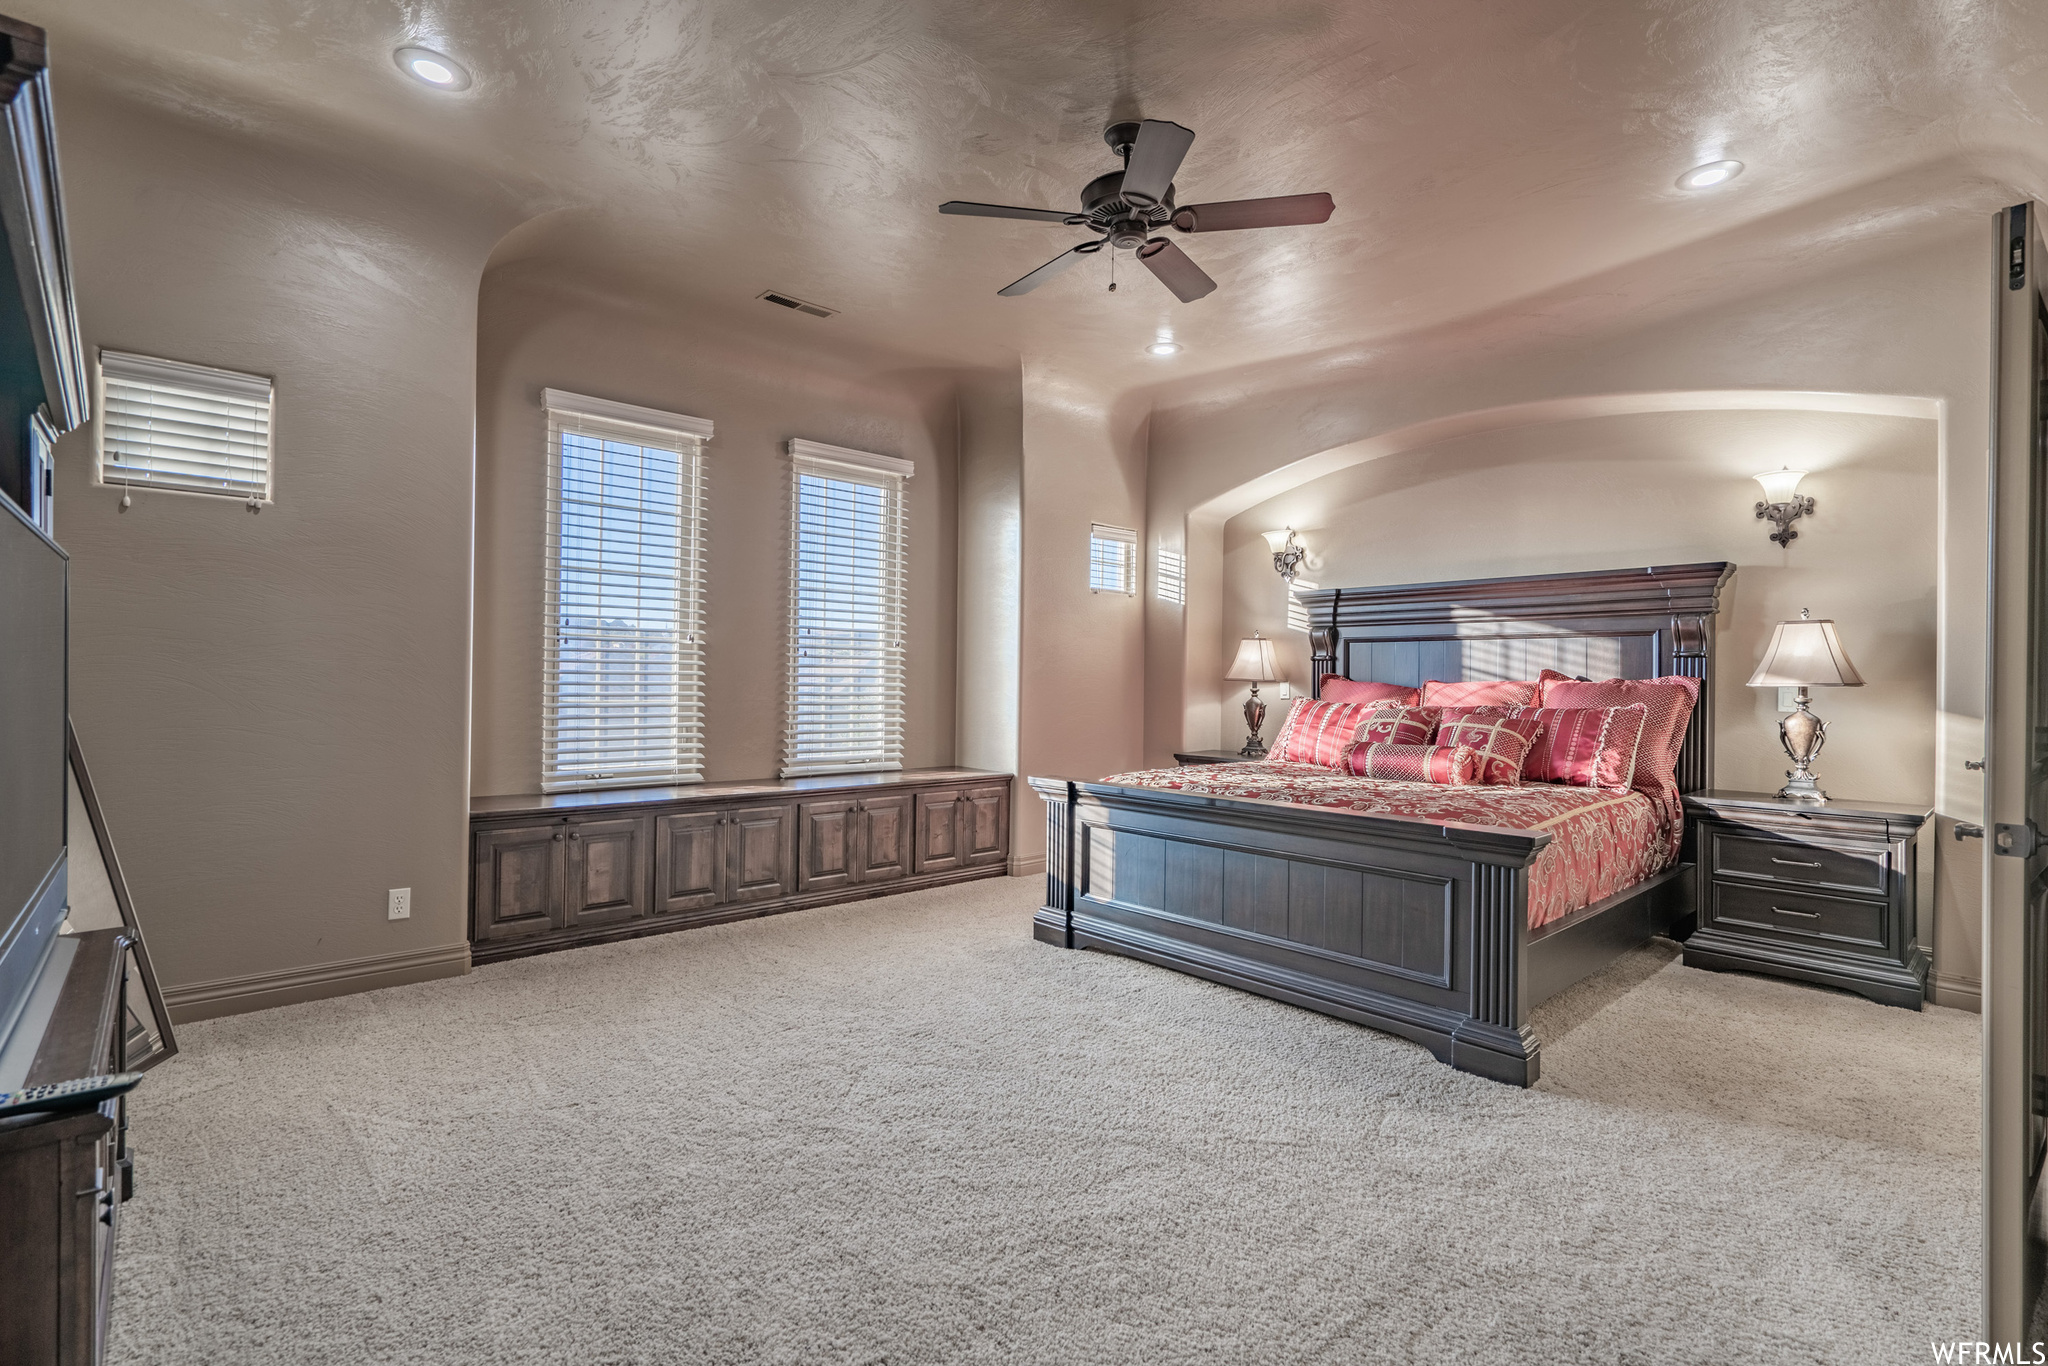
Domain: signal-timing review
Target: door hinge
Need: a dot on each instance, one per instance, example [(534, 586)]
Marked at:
[(2016, 841)]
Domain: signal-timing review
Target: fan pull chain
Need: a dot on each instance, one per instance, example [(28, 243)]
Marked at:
[(1112, 270)]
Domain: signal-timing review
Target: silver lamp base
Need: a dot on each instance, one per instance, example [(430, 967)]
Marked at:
[(1802, 734)]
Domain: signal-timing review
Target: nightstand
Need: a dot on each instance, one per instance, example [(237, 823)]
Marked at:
[(1211, 756), (1819, 893)]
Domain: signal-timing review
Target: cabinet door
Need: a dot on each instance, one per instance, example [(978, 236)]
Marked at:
[(759, 844), (827, 843), (516, 881), (688, 870), (984, 826), (885, 844), (937, 846), (607, 870)]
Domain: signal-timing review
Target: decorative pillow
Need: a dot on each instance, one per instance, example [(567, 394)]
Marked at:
[(1337, 688), (1510, 692), (1319, 732), (1585, 747), (1669, 702), (1501, 742), (1451, 765), (1399, 726)]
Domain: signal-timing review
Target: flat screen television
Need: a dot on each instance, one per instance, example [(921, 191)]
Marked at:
[(33, 648)]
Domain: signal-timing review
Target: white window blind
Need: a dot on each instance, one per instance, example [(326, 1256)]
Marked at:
[(847, 560), (188, 428), (623, 647), (1112, 559), (1297, 610)]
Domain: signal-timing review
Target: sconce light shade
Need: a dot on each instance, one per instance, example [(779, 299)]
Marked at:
[(1288, 553), (1780, 485), (1279, 539), (1256, 662)]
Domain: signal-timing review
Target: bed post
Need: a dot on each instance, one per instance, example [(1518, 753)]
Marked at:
[(1053, 923), (1322, 658), (1496, 1041)]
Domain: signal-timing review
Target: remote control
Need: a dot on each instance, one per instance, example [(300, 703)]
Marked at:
[(80, 1093)]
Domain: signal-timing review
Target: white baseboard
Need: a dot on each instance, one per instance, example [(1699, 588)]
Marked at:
[(1027, 867), (1964, 993), (262, 990)]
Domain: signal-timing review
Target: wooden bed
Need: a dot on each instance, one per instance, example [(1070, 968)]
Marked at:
[(1443, 909)]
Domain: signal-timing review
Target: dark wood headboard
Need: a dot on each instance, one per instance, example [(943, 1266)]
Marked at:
[(1609, 623)]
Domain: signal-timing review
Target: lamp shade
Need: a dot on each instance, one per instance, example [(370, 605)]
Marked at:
[(1255, 662), (1805, 654), (1278, 539), (1780, 485)]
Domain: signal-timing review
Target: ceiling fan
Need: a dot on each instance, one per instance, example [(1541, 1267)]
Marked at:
[(1125, 206)]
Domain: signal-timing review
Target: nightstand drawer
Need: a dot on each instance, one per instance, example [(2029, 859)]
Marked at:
[(1762, 856), (1826, 921)]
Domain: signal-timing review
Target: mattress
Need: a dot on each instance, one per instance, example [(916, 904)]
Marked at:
[(1600, 841)]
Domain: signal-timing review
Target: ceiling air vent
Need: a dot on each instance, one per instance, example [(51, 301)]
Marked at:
[(815, 310)]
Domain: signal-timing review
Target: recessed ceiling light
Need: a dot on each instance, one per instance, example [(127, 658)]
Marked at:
[(1163, 348), (1713, 173), (432, 68)]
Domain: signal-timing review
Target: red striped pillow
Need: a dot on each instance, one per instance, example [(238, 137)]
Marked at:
[(1450, 765), (1399, 726), (1481, 692), (1669, 701), (1500, 740), (1585, 746), (1320, 732), (1337, 688)]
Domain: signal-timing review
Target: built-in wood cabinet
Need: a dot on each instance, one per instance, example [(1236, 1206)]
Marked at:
[(577, 868)]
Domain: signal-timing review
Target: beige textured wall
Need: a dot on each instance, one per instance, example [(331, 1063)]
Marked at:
[(1661, 488), (990, 637), (275, 706), (540, 328)]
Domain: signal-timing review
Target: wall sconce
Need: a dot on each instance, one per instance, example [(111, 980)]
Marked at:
[(1782, 504), (1288, 553)]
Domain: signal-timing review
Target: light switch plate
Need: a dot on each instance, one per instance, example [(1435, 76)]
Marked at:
[(401, 904), (1788, 699)]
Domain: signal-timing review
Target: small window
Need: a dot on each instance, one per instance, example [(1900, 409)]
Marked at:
[(622, 657), (186, 428), (1112, 559), (1172, 575), (1297, 610), (848, 560)]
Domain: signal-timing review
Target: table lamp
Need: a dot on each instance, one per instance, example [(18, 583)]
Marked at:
[(1255, 664), (1804, 654)]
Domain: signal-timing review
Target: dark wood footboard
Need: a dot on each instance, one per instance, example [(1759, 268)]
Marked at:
[(1416, 928)]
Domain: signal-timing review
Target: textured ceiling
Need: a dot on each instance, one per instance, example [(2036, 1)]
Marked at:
[(1479, 152)]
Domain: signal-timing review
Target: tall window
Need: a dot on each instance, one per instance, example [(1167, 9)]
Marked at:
[(187, 428), (1112, 559), (847, 558), (623, 659)]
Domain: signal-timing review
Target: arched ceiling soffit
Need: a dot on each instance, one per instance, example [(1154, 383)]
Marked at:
[(1479, 153)]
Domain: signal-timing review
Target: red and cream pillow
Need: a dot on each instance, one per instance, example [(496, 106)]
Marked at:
[(1399, 726), (1337, 688), (1668, 704), (1320, 732), (1501, 741), (1482, 692), (1449, 765), (1585, 747)]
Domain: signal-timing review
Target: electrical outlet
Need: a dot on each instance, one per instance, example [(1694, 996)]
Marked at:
[(1788, 699), (401, 904)]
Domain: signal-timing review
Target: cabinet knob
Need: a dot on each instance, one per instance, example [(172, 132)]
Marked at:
[(556, 836), (572, 834)]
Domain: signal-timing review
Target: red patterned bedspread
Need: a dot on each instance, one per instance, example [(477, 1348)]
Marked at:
[(1600, 841)]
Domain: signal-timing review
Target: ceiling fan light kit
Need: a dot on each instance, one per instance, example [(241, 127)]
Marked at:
[(1128, 208)]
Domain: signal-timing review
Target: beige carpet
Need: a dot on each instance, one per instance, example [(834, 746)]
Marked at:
[(903, 1132)]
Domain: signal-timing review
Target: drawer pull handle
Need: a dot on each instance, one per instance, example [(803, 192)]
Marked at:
[(1806, 915), (1795, 863)]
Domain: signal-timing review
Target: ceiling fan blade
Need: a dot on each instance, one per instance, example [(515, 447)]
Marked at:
[(1175, 270), (1058, 265), (1281, 211), (1154, 160), (961, 206)]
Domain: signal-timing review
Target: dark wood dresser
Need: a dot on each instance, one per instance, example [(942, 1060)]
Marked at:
[(1819, 893), (574, 868)]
